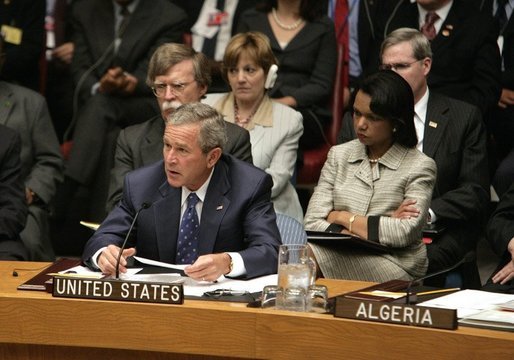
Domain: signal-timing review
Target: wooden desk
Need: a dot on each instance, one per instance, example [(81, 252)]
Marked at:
[(34, 325)]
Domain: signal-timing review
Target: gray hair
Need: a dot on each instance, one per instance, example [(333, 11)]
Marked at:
[(170, 54), (212, 124), (420, 45)]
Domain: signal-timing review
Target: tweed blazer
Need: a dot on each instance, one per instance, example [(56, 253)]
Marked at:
[(274, 148), (348, 182)]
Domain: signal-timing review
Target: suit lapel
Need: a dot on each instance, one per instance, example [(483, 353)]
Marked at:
[(214, 208), (6, 102), (139, 21), (436, 122), (152, 143), (167, 221), (102, 28)]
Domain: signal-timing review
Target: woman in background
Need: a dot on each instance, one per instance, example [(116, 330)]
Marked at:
[(303, 39), (377, 187), (249, 67)]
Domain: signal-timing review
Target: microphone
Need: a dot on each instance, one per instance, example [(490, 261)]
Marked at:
[(470, 256), (144, 206)]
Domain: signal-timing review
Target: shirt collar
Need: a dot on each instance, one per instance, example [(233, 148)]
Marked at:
[(130, 7), (442, 12), (201, 192), (420, 108)]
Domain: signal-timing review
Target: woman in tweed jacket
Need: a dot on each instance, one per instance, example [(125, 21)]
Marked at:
[(377, 187)]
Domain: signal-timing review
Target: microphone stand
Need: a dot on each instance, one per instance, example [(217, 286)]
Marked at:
[(468, 257), (122, 248)]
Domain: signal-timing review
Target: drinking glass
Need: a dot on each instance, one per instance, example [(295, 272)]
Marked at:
[(316, 299), (271, 297)]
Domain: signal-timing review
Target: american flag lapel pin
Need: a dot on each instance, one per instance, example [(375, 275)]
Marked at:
[(432, 124), (220, 207)]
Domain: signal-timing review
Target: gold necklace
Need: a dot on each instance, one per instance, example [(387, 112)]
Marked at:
[(293, 26)]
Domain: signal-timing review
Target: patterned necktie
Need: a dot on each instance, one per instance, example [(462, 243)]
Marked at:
[(501, 14), (188, 233), (125, 17), (428, 29)]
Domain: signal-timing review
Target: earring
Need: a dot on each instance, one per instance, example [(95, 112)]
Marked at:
[(394, 130)]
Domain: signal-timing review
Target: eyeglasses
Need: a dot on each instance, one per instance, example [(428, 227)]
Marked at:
[(160, 90), (398, 66)]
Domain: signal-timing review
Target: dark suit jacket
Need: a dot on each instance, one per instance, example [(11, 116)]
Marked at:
[(13, 207), (306, 65), (500, 230), (140, 145), (237, 216), (455, 138), (466, 61), (153, 22)]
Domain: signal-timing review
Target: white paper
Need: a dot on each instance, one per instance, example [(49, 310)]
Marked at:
[(469, 302), (159, 263), (198, 288), (83, 271)]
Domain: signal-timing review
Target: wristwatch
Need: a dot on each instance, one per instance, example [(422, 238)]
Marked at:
[(230, 266), (352, 219)]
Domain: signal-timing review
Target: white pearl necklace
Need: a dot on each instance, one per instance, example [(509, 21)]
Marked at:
[(374, 161), (293, 26)]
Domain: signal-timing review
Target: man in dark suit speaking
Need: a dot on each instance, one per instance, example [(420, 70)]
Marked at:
[(178, 75), (207, 208)]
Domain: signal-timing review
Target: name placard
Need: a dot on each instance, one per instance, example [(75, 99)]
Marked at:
[(114, 289), (396, 313)]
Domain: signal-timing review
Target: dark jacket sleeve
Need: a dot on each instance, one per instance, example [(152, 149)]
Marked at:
[(13, 207), (500, 229)]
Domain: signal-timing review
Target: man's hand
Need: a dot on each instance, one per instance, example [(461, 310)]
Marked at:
[(64, 53), (209, 267), (108, 257), (406, 210), (506, 98), (116, 81), (507, 272)]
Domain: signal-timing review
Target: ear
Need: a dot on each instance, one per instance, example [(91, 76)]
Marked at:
[(213, 156), (427, 63), (203, 91), (271, 77)]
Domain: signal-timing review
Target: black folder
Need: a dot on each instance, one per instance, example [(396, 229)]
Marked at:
[(323, 237)]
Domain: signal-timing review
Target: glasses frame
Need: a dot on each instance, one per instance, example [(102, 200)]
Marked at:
[(398, 66), (176, 88)]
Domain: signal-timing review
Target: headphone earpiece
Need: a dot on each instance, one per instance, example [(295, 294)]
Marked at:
[(272, 77)]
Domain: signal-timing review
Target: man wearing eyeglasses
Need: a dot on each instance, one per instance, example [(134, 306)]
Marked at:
[(177, 75), (466, 62), (452, 133)]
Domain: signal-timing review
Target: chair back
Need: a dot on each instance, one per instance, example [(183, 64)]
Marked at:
[(291, 230)]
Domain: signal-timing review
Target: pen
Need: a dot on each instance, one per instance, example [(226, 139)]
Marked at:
[(436, 291)]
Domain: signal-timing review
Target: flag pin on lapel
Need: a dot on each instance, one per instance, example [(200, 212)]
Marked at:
[(220, 207), (432, 124)]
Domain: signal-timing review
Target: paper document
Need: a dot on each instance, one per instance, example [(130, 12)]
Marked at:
[(469, 302), (159, 263), (84, 272)]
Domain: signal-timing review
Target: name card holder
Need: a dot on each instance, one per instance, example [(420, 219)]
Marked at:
[(119, 290), (395, 313)]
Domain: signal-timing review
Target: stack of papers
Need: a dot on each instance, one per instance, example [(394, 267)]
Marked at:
[(479, 308)]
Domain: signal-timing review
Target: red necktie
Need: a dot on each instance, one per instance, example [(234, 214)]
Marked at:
[(341, 14), (428, 29)]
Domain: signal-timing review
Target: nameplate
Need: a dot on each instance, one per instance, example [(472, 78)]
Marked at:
[(396, 313), (122, 290)]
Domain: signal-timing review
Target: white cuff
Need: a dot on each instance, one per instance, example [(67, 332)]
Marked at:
[(238, 265)]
